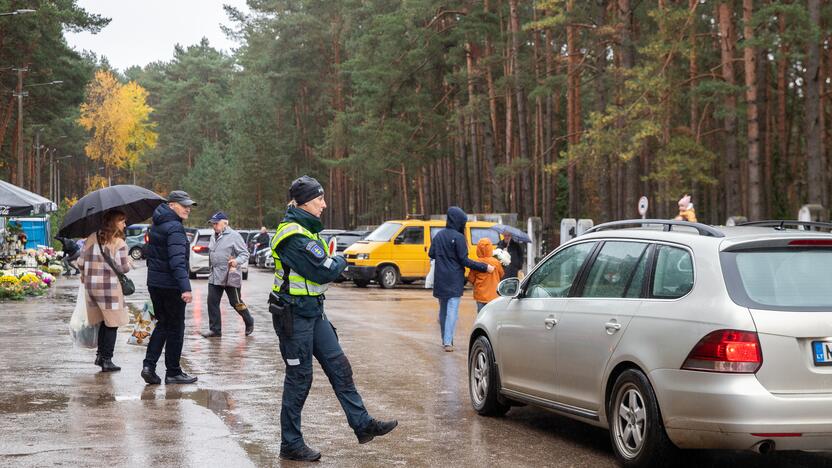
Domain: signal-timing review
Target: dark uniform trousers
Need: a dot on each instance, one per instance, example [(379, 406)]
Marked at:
[(214, 298), (169, 309), (316, 337)]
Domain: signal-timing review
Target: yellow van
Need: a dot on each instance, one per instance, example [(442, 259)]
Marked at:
[(397, 251)]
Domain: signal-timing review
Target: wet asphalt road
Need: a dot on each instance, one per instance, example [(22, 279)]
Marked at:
[(56, 409)]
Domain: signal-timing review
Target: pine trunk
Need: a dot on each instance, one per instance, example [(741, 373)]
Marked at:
[(727, 40), (815, 167), (755, 201)]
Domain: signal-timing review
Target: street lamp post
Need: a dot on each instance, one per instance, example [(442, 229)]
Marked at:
[(18, 12), (58, 170), (20, 94)]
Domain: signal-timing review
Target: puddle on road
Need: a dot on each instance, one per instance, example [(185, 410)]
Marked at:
[(31, 402)]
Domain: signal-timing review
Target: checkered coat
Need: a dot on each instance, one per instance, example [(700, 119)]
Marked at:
[(105, 302)]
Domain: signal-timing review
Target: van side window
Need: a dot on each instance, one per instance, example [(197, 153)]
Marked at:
[(412, 235), (478, 233), (555, 277), (613, 268), (673, 277)]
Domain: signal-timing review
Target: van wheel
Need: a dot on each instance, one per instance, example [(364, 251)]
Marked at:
[(361, 283), (136, 253), (388, 277), (636, 429), (483, 383)]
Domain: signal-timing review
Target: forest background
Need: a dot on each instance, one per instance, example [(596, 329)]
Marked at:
[(553, 108)]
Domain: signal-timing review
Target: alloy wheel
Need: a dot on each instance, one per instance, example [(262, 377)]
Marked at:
[(630, 422), (479, 378)]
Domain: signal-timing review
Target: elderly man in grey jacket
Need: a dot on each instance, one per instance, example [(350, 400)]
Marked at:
[(227, 253)]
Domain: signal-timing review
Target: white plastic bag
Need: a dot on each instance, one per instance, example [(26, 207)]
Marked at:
[(83, 334), (429, 277)]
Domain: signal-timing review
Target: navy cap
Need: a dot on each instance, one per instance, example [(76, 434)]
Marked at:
[(218, 216), (181, 197)]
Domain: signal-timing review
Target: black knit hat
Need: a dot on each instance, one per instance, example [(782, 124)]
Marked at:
[(305, 188)]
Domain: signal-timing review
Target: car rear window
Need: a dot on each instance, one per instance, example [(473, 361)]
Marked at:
[(613, 270), (384, 233), (788, 279), (203, 240)]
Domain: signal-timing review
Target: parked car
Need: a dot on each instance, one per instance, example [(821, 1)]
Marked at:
[(397, 251), (254, 247), (198, 261), (135, 237), (689, 337)]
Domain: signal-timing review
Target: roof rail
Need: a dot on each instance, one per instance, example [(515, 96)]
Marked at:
[(702, 229), (780, 224)]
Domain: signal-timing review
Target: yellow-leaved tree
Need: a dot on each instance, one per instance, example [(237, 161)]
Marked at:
[(117, 116)]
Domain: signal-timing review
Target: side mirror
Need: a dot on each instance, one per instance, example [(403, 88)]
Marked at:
[(398, 240), (509, 287)]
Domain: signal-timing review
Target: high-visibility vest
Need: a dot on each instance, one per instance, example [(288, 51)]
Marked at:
[(298, 285)]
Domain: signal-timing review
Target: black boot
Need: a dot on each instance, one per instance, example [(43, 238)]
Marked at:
[(304, 453), (97, 359), (248, 320), (108, 366), (375, 428), (150, 377), (182, 378)]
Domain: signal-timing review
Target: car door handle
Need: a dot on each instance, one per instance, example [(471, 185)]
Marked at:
[(612, 327), (550, 322)]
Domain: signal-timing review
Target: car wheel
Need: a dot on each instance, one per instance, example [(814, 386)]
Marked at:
[(636, 429), (245, 275), (483, 382), (361, 283), (388, 277), (136, 253), (191, 275)]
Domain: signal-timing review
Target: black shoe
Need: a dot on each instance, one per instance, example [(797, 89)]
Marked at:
[(375, 428), (249, 329), (97, 359), (149, 376), (182, 378), (211, 334), (108, 366), (304, 453)]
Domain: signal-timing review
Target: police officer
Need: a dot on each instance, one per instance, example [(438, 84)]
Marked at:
[(302, 273)]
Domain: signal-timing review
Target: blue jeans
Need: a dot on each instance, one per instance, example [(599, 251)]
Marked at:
[(314, 338), (448, 313)]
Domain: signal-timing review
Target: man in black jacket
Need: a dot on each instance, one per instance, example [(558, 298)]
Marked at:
[(71, 253), (516, 251), (169, 288)]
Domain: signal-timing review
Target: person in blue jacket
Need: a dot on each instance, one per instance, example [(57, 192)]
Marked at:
[(169, 287), (303, 271), (449, 250)]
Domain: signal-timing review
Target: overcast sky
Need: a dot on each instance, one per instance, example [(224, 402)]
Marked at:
[(144, 31)]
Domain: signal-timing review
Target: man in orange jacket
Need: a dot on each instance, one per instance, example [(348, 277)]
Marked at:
[(485, 284)]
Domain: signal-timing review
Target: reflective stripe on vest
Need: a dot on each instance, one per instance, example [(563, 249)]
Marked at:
[(298, 285)]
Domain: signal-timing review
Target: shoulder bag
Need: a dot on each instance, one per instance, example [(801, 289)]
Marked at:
[(127, 286)]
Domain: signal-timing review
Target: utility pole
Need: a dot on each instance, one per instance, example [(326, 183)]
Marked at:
[(38, 185), (20, 94)]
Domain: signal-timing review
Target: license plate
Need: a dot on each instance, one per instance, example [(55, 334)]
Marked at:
[(822, 353)]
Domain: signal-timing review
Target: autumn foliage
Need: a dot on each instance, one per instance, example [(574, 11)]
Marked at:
[(117, 116)]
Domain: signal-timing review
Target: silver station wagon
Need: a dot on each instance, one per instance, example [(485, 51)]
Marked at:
[(671, 335)]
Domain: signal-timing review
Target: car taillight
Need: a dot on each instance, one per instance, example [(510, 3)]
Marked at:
[(146, 238), (811, 243), (732, 351), (200, 248)]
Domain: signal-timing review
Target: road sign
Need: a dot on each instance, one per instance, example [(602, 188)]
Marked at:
[(642, 207)]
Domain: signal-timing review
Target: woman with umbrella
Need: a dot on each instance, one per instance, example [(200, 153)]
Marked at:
[(101, 217), (104, 258)]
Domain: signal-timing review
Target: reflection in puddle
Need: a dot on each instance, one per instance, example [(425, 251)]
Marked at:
[(31, 402)]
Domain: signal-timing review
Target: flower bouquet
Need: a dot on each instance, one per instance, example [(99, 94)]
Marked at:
[(503, 256), (10, 287)]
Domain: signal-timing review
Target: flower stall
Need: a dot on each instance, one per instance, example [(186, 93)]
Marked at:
[(27, 283)]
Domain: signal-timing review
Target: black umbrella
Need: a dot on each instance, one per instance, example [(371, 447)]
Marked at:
[(86, 216), (15, 201)]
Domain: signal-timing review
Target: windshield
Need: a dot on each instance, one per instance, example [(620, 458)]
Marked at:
[(787, 279), (384, 233)]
